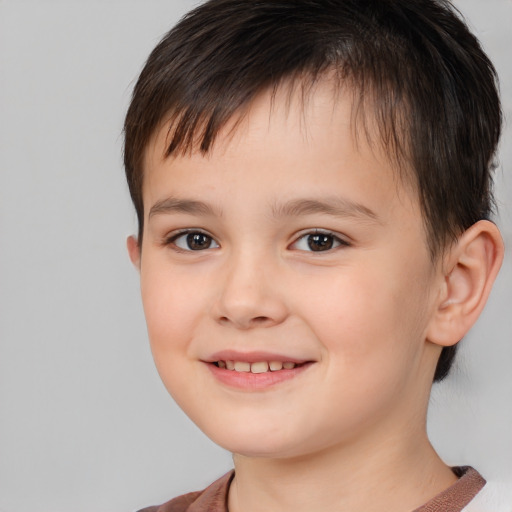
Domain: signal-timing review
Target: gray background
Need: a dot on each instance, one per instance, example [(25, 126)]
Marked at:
[(85, 424)]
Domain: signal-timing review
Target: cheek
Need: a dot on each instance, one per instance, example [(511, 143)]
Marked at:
[(171, 308), (368, 317)]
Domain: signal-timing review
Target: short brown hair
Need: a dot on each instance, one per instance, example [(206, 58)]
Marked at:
[(431, 88)]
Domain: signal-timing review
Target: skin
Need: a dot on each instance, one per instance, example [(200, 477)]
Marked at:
[(371, 313)]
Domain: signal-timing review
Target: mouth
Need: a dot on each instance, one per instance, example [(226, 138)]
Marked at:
[(255, 371), (256, 367)]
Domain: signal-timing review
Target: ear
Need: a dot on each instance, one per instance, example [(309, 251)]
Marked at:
[(132, 245), (468, 273)]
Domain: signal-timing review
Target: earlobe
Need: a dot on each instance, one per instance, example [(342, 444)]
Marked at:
[(470, 268), (132, 245)]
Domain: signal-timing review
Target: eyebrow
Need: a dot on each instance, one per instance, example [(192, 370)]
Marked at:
[(190, 206), (335, 206)]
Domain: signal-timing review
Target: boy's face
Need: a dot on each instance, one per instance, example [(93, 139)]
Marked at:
[(289, 243)]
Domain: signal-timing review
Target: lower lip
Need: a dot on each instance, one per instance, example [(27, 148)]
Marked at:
[(255, 381)]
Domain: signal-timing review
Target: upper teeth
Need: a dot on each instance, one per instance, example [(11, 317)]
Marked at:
[(258, 367)]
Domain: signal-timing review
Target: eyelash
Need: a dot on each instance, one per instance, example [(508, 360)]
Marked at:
[(186, 233), (335, 241), (330, 240)]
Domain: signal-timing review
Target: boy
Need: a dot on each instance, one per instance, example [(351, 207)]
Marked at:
[(312, 180)]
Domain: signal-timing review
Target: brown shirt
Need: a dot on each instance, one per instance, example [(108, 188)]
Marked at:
[(214, 498)]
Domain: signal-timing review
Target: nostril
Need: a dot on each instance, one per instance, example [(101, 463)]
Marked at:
[(246, 324), (260, 319)]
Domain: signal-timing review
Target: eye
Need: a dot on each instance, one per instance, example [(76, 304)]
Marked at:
[(193, 241), (319, 242)]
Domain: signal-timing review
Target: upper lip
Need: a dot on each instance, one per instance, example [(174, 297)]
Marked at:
[(252, 357)]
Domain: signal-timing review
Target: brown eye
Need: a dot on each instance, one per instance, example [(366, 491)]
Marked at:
[(194, 241), (198, 241), (320, 242)]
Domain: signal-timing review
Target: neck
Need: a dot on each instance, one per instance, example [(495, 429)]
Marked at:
[(358, 478)]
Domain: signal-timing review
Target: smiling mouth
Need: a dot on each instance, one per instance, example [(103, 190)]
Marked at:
[(257, 367), (256, 371)]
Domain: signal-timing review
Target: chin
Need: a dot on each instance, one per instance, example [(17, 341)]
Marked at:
[(260, 444)]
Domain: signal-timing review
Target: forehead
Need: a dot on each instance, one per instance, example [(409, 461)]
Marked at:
[(306, 126)]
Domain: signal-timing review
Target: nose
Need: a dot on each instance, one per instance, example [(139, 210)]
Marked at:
[(250, 295)]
